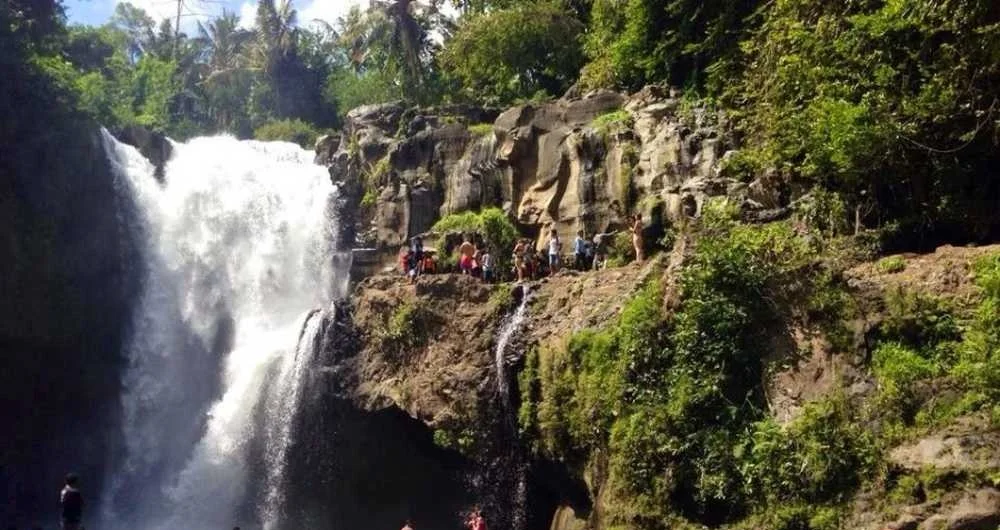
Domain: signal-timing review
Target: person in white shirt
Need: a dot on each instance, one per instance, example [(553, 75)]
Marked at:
[(555, 246), (486, 262)]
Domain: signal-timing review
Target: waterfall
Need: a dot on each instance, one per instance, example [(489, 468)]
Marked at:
[(509, 328), (238, 251)]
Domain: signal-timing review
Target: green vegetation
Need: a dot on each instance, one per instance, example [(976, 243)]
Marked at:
[(610, 121), (876, 106), (675, 403), (296, 131), (481, 129), (527, 49), (491, 223), (405, 329), (891, 264)]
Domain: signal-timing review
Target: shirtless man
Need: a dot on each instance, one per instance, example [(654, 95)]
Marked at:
[(466, 253), (519, 259), (637, 237)]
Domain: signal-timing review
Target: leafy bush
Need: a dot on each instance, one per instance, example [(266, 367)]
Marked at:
[(891, 265), (682, 396), (505, 54), (918, 320), (295, 131), (491, 223), (348, 90), (609, 121), (405, 329), (824, 101), (481, 129)]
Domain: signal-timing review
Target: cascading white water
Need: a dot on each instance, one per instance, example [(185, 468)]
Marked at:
[(238, 249), (508, 329)]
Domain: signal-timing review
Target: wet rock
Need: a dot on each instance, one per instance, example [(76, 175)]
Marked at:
[(153, 145), (326, 147)]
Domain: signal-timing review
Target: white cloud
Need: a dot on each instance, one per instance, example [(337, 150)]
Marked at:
[(248, 11), (325, 10), (192, 11)]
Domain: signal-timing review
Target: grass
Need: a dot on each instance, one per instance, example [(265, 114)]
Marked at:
[(891, 265), (609, 121), (481, 129)]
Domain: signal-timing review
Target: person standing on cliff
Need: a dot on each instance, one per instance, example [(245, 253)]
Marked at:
[(417, 248), (519, 259), (580, 252), (467, 253), (555, 248), (637, 237), (71, 501)]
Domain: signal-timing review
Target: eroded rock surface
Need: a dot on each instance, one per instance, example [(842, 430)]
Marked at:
[(579, 163)]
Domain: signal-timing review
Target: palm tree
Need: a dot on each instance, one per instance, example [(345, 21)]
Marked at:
[(275, 34), (224, 41), (394, 32), (226, 81)]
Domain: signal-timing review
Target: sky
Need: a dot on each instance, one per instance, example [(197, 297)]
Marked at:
[(97, 12)]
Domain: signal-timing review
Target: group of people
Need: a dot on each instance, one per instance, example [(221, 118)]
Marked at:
[(527, 261), (473, 521)]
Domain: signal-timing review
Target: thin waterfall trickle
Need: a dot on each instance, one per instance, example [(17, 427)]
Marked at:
[(511, 325), (510, 467), (238, 251)]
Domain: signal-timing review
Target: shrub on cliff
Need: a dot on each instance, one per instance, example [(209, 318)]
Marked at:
[(676, 402), (491, 223), (295, 131)]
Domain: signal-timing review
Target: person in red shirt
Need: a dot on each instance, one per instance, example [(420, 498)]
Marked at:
[(476, 520)]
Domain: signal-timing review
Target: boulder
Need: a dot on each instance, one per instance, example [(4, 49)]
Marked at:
[(326, 147), (977, 510), (153, 145)]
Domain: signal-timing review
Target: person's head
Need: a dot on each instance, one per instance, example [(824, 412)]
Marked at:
[(418, 239), (579, 233), (72, 479), (407, 522), (555, 233)]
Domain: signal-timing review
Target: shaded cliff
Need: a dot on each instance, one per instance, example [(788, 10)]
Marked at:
[(67, 283)]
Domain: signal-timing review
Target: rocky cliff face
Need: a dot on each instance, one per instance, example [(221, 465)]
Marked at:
[(578, 163), (427, 349), (66, 285)]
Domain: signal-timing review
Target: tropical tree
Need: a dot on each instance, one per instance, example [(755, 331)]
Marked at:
[(227, 78)]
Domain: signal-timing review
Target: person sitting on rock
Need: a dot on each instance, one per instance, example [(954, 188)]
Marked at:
[(429, 266), (466, 252), (404, 261)]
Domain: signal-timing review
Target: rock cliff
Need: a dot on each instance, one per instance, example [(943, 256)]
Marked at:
[(578, 163)]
